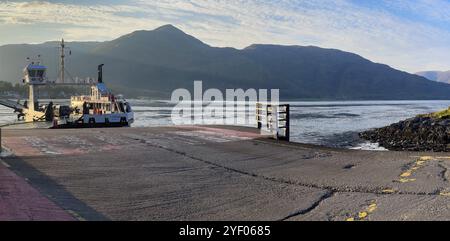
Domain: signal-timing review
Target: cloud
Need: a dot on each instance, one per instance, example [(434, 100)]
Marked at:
[(410, 35), (431, 10)]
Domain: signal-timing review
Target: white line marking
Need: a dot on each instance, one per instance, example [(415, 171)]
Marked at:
[(5, 164)]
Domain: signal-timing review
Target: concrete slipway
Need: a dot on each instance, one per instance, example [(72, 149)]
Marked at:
[(211, 173)]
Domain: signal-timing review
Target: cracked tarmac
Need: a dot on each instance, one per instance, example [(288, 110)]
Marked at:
[(223, 173)]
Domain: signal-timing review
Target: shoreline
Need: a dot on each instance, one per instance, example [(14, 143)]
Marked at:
[(332, 124)]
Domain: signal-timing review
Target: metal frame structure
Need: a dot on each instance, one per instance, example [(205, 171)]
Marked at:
[(274, 119)]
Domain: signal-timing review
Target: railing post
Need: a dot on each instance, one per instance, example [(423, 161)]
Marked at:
[(258, 115), (288, 124)]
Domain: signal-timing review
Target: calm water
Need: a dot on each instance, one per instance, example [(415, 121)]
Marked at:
[(333, 123)]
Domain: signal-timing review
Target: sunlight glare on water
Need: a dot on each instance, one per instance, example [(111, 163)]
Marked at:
[(329, 123)]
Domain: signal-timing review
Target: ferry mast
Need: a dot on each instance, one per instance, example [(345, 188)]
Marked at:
[(62, 57), (62, 60)]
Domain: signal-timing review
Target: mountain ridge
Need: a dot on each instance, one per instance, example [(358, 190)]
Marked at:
[(166, 58), (439, 76)]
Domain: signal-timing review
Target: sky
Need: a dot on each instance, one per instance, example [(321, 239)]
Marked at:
[(410, 35)]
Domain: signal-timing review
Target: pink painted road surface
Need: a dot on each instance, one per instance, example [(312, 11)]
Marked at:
[(21, 202)]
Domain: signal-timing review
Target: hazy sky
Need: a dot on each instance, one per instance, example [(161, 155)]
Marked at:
[(410, 35)]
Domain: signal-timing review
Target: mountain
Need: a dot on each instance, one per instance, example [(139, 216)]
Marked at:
[(440, 76), (154, 63)]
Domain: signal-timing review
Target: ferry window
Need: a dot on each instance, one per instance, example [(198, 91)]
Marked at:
[(32, 73), (121, 108), (128, 107), (40, 73)]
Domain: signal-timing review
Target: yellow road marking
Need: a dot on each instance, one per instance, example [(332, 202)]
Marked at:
[(426, 158), (365, 213), (434, 157), (388, 191), (406, 174), (372, 208), (407, 180), (445, 194), (362, 215), (420, 162)]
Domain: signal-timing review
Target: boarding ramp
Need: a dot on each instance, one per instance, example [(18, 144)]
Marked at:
[(11, 104)]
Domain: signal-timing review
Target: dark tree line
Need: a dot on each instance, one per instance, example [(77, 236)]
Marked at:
[(8, 89)]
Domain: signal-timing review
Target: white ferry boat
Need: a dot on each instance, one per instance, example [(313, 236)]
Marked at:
[(100, 108)]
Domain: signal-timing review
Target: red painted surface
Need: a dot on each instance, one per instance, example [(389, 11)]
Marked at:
[(21, 202)]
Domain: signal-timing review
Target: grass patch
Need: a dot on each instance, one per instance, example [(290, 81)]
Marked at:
[(445, 114)]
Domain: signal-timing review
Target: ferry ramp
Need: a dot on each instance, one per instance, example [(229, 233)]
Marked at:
[(11, 104), (211, 173)]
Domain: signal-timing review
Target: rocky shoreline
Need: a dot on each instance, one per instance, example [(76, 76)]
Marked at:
[(421, 133)]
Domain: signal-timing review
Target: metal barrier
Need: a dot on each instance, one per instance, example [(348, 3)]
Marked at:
[(274, 119)]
